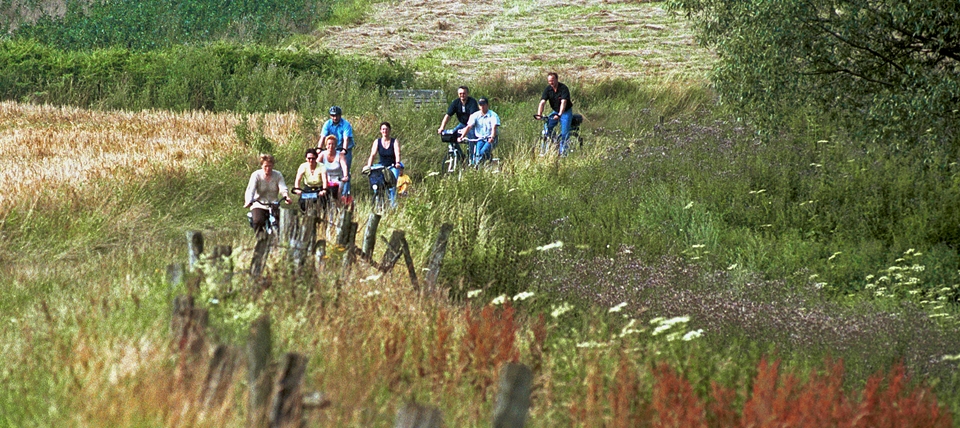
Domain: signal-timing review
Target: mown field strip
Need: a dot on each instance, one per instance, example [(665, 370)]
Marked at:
[(586, 40)]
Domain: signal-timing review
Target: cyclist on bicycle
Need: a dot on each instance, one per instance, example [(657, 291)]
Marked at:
[(335, 167), (558, 95), (485, 125), (340, 128), (463, 107), (389, 151), (311, 178), (263, 191)]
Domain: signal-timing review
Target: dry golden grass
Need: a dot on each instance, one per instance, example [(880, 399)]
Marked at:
[(69, 148)]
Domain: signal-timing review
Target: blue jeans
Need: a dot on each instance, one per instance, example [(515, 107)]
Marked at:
[(483, 149), (392, 192), (565, 120)]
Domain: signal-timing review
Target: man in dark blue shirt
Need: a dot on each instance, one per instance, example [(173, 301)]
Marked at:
[(558, 95), (462, 107)]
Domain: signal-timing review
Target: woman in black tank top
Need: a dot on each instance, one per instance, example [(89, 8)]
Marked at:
[(388, 149)]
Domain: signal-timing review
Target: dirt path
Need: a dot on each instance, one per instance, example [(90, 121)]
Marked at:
[(583, 39)]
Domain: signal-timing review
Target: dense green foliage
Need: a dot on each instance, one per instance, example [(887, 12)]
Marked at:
[(884, 69), (150, 24), (215, 77)]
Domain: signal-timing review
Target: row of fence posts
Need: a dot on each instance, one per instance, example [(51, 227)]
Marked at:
[(276, 396)]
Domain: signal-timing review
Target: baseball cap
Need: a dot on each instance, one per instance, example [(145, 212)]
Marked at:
[(482, 101)]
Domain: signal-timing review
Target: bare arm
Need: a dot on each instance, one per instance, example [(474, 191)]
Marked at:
[(343, 166), (373, 152), (563, 107), (296, 180), (443, 124), (396, 150), (540, 108)]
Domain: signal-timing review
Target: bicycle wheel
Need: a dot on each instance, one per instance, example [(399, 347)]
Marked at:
[(546, 143), (450, 163)]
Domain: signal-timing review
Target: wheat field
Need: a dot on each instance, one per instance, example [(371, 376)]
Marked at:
[(52, 147)]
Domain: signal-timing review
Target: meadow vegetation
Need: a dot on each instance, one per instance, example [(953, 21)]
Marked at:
[(682, 268)]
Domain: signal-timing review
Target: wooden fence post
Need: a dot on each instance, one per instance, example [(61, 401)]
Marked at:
[(393, 252), (194, 248), (370, 235), (219, 376), (414, 415), (349, 256), (408, 259), (175, 274), (286, 408), (288, 223), (260, 253), (188, 325), (436, 256), (513, 396), (302, 245), (344, 230), (320, 255), (258, 377)]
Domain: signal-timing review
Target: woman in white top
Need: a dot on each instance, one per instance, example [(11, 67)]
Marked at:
[(263, 190), (334, 165)]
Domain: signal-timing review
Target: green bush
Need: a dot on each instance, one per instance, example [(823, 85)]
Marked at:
[(152, 24), (219, 77)]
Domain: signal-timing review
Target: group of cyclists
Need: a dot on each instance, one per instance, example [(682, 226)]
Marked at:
[(326, 170)]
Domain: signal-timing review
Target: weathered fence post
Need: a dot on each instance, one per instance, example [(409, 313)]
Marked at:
[(175, 274), (513, 396), (436, 256), (349, 255), (302, 245), (258, 377), (320, 255), (344, 229), (188, 325), (219, 376), (288, 223), (286, 408), (393, 251), (408, 259), (260, 253), (194, 248), (414, 415), (370, 235)]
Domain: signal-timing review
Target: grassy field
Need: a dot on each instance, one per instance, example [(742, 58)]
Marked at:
[(680, 269)]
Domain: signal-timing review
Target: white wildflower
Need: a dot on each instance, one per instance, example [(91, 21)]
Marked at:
[(373, 293), (558, 244), (692, 335), (523, 296), (560, 310), (618, 308), (499, 300), (591, 344), (474, 293)]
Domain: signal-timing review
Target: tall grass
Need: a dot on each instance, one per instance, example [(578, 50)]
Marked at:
[(694, 215)]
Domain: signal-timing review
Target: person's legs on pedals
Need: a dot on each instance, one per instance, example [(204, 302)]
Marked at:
[(565, 120)]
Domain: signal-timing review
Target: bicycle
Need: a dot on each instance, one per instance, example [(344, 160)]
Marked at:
[(549, 141), (379, 185), (488, 157), (455, 157), (273, 218)]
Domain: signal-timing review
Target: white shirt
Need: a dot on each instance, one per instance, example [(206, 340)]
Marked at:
[(484, 124)]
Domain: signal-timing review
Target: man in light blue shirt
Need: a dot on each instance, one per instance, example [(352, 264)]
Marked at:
[(340, 128), (485, 125)]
